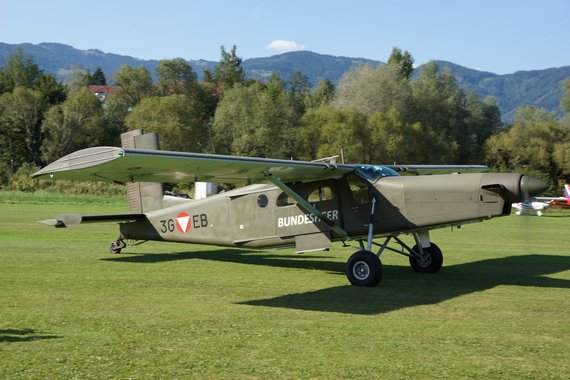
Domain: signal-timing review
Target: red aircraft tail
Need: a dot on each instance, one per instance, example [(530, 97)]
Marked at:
[(564, 201)]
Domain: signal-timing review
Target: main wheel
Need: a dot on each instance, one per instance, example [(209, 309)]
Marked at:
[(364, 268), (430, 262)]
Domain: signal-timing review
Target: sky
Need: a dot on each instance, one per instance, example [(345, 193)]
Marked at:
[(500, 36)]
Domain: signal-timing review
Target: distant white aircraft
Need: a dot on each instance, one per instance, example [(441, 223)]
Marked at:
[(530, 207), (537, 205)]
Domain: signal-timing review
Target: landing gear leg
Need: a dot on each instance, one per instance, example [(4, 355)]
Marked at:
[(364, 268), (117, 246)]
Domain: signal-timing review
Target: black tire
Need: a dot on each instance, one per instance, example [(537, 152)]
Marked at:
[(364, 268), (432, 261), (117, 246)]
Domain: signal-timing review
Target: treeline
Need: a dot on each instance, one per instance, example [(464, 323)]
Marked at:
[(374, 115)]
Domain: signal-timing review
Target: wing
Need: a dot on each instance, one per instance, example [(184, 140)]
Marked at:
[(437, 169), (138, 165)]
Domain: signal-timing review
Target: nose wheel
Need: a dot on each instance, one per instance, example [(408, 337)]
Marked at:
[(426, 260)]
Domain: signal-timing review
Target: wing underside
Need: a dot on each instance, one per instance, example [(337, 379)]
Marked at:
[(137, 165)]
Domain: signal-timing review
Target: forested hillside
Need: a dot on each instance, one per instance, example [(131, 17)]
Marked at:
[(540, 88), (374, 114)]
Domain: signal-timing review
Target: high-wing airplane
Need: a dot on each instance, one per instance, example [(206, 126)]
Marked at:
[(530, 207), (537, 205), (305, 204)]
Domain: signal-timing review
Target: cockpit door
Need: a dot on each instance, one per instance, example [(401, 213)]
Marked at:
[(356, 204)]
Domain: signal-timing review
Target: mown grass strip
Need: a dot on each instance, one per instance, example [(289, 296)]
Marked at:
[(69, 309)]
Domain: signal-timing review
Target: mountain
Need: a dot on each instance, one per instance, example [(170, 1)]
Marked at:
[(61, 60), (540, 88), (315, 66)]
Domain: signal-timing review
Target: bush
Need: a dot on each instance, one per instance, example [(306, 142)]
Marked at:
[(22, 181)]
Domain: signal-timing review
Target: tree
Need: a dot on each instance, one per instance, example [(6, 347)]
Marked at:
[(299, 83), (482, 119), (256, 120), (75, 124), (175, 76), (135, 84), (299, 87), (452, 113), (78, 79), (19, 72), (536, 143), (369, 90), (325, 131), (21, 114), (228, 72), (53, 91), (393, 140), (565, 100), (98, 78), (180, 121), (322, 95), (404, 62)]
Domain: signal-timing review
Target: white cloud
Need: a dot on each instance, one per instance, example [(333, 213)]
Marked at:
[(284, 46)]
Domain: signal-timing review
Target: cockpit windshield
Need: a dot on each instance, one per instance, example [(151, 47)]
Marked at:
[(374, 172)]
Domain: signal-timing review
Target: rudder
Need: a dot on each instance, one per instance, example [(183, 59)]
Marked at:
[(142, 196)]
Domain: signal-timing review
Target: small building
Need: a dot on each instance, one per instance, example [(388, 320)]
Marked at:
[(103, 92)]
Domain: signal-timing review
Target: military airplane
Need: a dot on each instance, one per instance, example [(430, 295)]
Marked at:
[(305, 204)]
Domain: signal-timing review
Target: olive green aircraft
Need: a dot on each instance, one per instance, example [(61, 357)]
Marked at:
[(303, 204)]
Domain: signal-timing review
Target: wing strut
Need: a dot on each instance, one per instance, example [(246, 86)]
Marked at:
[(306, 205)]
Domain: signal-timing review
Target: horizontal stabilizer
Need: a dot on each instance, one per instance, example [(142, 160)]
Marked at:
[(71, 220)]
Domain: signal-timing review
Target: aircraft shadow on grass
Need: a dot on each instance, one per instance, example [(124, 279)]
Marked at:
[(400, 288), (22, 335)]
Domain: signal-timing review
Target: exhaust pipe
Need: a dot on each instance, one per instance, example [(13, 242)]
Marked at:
[(513, 188)]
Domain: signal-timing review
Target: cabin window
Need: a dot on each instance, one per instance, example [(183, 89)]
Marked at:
[(321, 194), (284, 200), (262, 200)]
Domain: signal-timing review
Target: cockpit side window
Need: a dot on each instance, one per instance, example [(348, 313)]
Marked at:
[(321, 194), (359, 189)]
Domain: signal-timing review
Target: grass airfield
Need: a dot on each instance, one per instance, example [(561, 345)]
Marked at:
[(500, 307)]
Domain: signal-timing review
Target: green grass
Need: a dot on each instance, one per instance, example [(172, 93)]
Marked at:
[(500, 307)]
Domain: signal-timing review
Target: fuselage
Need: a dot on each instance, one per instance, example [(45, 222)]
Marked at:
[(263, 215)]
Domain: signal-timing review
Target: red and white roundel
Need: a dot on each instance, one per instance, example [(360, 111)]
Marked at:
[(183, 222)]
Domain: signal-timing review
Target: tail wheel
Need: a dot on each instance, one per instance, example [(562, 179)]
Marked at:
[(430, 262), (364, 268), (117, 246)]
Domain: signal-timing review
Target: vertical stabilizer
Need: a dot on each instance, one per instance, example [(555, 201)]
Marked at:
[(142, 196), (567, 191)]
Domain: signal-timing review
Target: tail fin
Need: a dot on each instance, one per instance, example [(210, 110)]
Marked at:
[(567, 191), (142, 196)]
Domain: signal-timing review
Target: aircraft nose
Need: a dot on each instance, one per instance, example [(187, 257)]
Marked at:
[(531, 186)]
